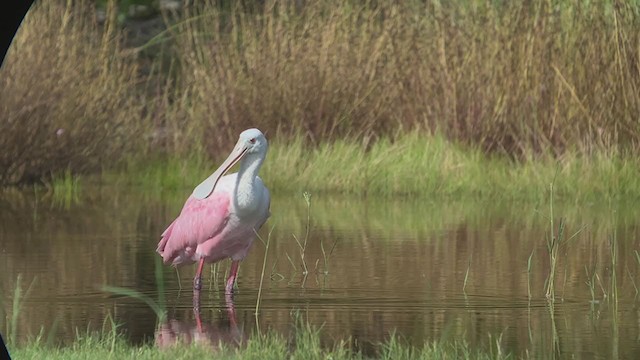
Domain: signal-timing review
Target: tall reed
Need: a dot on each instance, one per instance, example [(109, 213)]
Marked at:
[(513, 77), (524, 79), (555, 241), (264, 265)]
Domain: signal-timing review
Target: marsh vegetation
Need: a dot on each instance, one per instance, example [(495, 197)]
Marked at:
[(534, 84), (473, 167)]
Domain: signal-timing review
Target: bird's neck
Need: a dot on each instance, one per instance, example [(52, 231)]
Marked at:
[(246, 194)]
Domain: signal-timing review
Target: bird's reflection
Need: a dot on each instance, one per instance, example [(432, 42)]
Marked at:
[(194, 331)]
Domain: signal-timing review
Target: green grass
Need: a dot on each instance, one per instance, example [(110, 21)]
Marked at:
[(410, 165), (64, 188), (16, 304), (305, 344)]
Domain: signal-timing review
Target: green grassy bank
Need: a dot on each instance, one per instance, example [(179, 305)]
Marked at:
[(304, 345), (411, 165)]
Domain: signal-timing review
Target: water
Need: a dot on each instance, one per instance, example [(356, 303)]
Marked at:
[(397, 265)]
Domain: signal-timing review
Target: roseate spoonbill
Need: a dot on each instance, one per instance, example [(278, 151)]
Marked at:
[(221, 217)]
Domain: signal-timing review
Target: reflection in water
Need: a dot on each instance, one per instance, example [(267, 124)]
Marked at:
[(212, 334), (429, 271), (555, 337)]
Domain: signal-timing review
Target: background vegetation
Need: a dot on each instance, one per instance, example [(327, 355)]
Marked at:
[(68, 100), (419, 97), (520, 81)]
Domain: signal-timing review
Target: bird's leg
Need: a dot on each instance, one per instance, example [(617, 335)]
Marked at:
[(233, 273), (197, 280), (197, 285)]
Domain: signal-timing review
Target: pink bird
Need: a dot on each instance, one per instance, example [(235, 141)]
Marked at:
[(223, 214)]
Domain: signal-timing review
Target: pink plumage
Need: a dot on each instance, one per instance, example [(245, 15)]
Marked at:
[(200, 222)]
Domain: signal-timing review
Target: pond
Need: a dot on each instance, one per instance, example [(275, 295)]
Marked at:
[(426, 270)]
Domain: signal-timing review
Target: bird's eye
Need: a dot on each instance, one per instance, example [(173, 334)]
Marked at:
[(253, 140)]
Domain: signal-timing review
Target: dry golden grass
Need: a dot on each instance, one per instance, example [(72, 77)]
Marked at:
[(68, 100), (512, 77), (521, 79)]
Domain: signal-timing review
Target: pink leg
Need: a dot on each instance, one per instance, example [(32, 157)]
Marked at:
[(233, 273), (197, 281), (197, 285)]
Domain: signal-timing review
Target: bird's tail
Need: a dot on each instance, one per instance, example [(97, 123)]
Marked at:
[(164, 238)]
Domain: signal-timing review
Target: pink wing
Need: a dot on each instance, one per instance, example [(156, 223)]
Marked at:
[(198, 221)]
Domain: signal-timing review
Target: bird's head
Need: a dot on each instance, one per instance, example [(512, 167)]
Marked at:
[(251, 141)]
